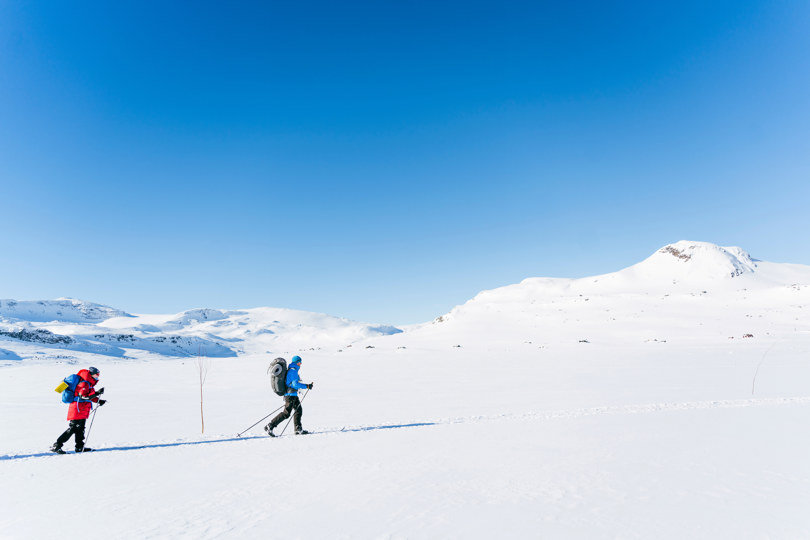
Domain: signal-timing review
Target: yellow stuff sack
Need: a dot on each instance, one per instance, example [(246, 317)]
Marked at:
[(61, 388)]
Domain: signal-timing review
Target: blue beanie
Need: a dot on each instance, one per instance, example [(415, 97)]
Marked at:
[(295, 360)]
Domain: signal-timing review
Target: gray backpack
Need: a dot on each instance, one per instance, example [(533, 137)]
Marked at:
[(278, 375)]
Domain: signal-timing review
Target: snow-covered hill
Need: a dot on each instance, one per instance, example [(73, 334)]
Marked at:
[(59, 310), (685, 291), (60, 328)]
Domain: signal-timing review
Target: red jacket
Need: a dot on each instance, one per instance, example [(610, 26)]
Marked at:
[(80, 410)]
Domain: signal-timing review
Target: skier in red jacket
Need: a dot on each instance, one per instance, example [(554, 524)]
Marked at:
[(79, 410)]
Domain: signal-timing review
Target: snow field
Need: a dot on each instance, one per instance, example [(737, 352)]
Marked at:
[(618, 443)]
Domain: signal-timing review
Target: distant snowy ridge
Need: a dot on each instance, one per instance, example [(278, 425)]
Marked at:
[(73, 325), (61, 309), (112, 344), (257, 329)]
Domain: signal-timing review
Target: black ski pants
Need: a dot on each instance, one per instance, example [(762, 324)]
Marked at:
[(75, 427), (291, 403)]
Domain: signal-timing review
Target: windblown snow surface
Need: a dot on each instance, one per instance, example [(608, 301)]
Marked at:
[(668, 400)]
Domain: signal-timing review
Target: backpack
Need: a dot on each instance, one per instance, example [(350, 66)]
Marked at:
[(68, 388), (278, 376)]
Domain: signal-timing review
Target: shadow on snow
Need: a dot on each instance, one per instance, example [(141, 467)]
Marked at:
[(215, 441)]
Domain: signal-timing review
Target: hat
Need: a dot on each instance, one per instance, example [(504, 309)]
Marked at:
[(295, 360)]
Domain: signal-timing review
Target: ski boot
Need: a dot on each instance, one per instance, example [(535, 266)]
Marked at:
[(269, 430), (301, 431), (83, 450), (57, 449)]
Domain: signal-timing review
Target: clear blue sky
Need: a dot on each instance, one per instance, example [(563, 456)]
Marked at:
[(385, 161)]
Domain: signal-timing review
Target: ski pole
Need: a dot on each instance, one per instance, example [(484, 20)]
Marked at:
[(292, 415), (248, 429), (90, 428)]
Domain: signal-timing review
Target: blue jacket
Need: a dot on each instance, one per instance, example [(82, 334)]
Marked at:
[(294, 383)]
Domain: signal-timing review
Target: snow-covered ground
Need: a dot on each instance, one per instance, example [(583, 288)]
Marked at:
[(628, 405)]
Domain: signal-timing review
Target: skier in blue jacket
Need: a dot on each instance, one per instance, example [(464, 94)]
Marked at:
[(291, 401)]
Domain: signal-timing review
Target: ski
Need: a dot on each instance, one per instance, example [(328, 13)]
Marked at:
[(274, 436)]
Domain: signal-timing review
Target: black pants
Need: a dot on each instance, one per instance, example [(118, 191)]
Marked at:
[(75, 427), (290, 403)]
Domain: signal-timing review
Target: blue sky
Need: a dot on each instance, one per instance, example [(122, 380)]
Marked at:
[(385, 161)]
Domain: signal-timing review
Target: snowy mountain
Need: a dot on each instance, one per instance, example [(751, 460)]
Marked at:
[(692, 290), (60, 310), (697, 262), (51, 329)]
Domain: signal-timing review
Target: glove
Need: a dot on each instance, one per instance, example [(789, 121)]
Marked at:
[(99, 391), (101, 402), (310, 385)]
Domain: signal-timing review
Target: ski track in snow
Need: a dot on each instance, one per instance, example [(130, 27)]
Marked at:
[(535, 416), (637, 409)]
